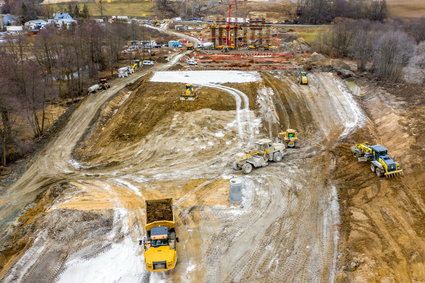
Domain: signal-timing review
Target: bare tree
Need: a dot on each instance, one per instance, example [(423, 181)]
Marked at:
[(392, 52)]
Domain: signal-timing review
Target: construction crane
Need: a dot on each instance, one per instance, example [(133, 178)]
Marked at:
[(232, 2)]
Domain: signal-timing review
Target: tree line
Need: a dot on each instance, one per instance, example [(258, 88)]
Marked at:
[(325, 11), (54, 64), (385, 49)]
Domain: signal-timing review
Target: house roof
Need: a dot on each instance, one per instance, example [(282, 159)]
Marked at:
[(10, 19), (37, 22), (62, 16)]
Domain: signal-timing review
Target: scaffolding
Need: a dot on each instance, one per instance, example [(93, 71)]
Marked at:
[(241, 33)]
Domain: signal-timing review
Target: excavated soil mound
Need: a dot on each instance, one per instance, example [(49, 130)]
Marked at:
[(383, 228), (124, 123), (159, 210)]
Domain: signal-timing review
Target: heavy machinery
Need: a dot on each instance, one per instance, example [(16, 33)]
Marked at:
[(303, 80), (289, 137), (265, 151), (160, 242), (380, 162), (189, 93), (103, 83)]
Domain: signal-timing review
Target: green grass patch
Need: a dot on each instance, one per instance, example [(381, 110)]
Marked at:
[(118, 8), (309, 34)]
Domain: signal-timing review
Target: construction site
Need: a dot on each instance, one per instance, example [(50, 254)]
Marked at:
[(249, 166)]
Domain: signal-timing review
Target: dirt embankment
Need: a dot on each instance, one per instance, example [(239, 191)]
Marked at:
[(125, 124), (60, 227), (383, 228)]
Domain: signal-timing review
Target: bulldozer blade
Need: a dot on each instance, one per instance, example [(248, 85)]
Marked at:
[(394, 174), (187, 98)]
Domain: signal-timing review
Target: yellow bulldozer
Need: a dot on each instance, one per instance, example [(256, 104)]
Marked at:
[(189, 93), (380, 162), (289, 137)]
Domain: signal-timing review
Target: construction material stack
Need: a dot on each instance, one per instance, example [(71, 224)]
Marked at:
[(160, 242), (380, 162)]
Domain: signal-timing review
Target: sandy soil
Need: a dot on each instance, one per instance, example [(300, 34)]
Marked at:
[(317, 216), (186, 155), (383, 220)]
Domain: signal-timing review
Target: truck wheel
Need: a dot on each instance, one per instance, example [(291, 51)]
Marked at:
[(235, 166), (277, 157), (372, 168), (173, 235), (379, 172), (247, 168)]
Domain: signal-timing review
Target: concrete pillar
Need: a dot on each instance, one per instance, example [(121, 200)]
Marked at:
[(236, 186)]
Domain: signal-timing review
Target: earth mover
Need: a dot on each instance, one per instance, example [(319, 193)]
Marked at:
[(104, 84), (265, 151), (380, 162), (289, 137), (303, 78), (160, 242), (189, 93)]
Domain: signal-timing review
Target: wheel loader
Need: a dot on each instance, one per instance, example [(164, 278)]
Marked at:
[(303, 80), (104, 84), (380, 162), (289, 137), (189, 93), (265, 151)]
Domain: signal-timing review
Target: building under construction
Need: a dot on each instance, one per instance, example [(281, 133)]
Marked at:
[(234, 33)]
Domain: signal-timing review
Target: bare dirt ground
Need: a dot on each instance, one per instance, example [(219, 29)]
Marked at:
[(78, 212), (286, 228), (383, 220)]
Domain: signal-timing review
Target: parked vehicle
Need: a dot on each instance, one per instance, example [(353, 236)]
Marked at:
[(93, 88), (148, 62), (123, 72), (192, 62)]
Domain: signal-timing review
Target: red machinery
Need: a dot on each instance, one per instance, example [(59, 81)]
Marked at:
[(229, 19)]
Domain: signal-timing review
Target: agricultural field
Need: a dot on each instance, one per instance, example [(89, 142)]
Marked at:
[(115, 8), (404, 8)]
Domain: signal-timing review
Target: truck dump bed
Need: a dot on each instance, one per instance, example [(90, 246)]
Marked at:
[(159, 210)]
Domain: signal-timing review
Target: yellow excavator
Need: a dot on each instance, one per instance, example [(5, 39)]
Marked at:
[(189, 93), (290, 137), (380, 162), (303, 78)]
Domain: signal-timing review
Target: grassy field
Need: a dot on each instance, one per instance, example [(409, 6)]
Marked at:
[(310, 34), (118, 8), (404, 8)]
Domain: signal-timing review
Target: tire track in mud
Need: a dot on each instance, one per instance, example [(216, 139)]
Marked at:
[(282, 213), (243, 117)]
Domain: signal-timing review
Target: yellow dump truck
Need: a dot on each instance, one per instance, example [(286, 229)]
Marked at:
[(160, 242)]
